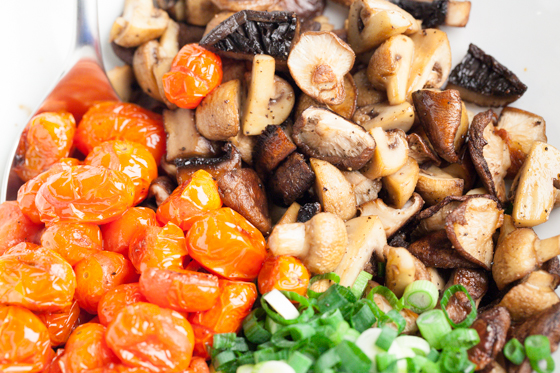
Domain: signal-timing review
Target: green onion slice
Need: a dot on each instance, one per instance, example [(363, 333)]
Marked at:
[(335, 297), (300, 362), (433, 326), (421, 296), (514, 351), (362, 317), (354, 360), (361, 283), (386, 362), (386, 338), (454, 359), (445, 300), (327, 360), (545, 365), (297, 332), (537, 347), (253, 327), (394, 317), (302, 318), (461, 338), (387, 294), (326, 276)]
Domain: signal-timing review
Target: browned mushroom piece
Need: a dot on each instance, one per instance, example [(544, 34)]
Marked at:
[(386, 116), (283, 215), (245, 145), (199, 12), (433, 218), (122, 78), (367, 94), (239, 5), (307, 211), (232, 70), (303, 8), (421, 150), (434, 185), (470, 228), (400, 185), (272, 146), (390, 154), (242, 190), (139, 23), (161, 188), (440, 114), (464, 169), (125, 54), (552, 266), (492, 327), (476, 282), (319, 133), (364, 189), (435, 250), (230, 160), (290, 180)]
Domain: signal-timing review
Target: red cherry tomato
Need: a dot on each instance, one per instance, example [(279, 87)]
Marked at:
[(121, 121), (73, 241), (60, 324), (225, 243), (85, 194), (15, 227), (116, 299), (283, 273), (118, 234), (194, 73)]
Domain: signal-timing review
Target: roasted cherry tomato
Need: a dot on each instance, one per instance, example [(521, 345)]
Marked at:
[(54, 366), (180, 290), (225, 243), (157, 247), (118, 234), (145, 335), (86, 349), (203, 339), (194, 73), (198, 365), (73, 241), (60, 324), (85, 194), (15, 227), (47, 138), (121, 121), (191, 200), (132, 158), (283, 273), (99, 273), (116, 299), (36, 278)]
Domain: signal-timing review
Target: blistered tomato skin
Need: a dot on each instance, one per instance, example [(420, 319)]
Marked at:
[(182, 291), (158, 339), (24, 341), (73, 241), (203, 339), (118, 234), (194, 73), (99, 273), (47, 138), (121, 121), (60, 324), (116, 299), (225, 243), (15, 227), (158, 247), (198, 365), (132, 158), (191, 200), (86, 349), (85, 194), (36, 278), (283, 273)]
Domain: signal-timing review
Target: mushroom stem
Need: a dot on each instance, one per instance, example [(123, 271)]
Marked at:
[(549, 248), (288, 239)]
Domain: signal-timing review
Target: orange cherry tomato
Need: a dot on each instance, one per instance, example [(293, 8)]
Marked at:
[(47, 138), (132, 158), (60, 324), (116, 299), (191, 200), (118, 234), (54, 366), (24, 341), (15, 227), (182, 291), (225, 243), (99, 273), (36, 278), (86, 349), (85, 194), (198, 365), (158, 339), (121, 121), (194, 73), (157, 247), (73, 241), (283, 273), (203, 339)]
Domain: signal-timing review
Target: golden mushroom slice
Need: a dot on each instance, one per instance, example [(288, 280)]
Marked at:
[(391, 153), (433, 218), (364, 189), (367, 94), (434, 185), (199, 12), (386, 116), (239, 5), (402, 269), (421, 150), (400, 185), (139, 23), (470, 228), (261, 90)]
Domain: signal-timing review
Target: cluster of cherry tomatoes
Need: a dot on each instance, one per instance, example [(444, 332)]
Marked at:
[(92, 282)]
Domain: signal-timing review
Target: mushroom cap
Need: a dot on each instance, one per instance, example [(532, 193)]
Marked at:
[(318, 62), (386, 116), (421, 150), (435, 250), (434, 185), (327, 238), (140, 22)]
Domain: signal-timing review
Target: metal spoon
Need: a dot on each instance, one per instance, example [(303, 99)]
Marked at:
[(82, 84)]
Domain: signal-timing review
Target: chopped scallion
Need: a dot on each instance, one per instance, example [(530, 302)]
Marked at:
[(420, 296), (387, 294), (445, 300), (514, 351), (300, 362), (386, 338), (461, 338), (335, 297), (361, 283), (433, 326), (254, 329)]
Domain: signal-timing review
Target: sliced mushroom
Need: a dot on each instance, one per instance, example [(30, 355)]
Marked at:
[(318, 63), (470, 228), (440, 114), (261, 89), (125, 54), (242, 190), (402, 269), (393, 219), (400, 185), (307, 211), (371, 22), (199, 12), (464, 169), (230, 160), (421, 150), (320, 243), (139, 23), (535, 192), (476, 282), (239, 5), (245, 145), (183, 140), (533, 295), (122, 78), (433, 218), (290, 180), (389, 67), (290, 215), (386, 116), (272, 146), (434, 185), (333, 190), (367, 94), (391, 153), (321, 134), (233, 69), (492, 327), (489, 153), (435, 250), (484, 81), (438, 12), (281, 102), (364, 189), (161, 188)]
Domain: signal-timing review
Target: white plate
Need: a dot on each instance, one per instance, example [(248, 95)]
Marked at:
[(523, 35)]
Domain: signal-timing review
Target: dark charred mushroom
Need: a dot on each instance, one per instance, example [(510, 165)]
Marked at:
[(435, 250), (321, 134), (230, 160), (161, 188), (290, 180), (434, 185), (437, 12), (271, 147), (484, 81), (476, 283), (492, 327), (242, 190), (307, 211), (386, 116), (421, 150)]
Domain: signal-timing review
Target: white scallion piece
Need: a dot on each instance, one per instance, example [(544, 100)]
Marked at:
[(281, 304)]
